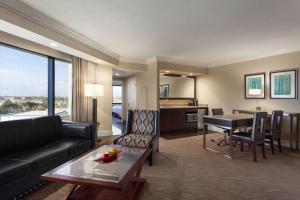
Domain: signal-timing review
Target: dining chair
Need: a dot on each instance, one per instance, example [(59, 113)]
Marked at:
[(255, 137), (274, 131), (219, 111)]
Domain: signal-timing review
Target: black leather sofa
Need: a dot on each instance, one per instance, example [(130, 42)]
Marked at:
[(31, 147)]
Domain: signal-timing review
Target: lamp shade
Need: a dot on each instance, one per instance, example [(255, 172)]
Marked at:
[(254, 92), (93, 90)]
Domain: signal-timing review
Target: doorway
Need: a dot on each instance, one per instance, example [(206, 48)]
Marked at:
[(117, 121)]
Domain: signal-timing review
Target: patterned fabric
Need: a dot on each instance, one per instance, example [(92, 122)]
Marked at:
[(143, 122), (135, 140)]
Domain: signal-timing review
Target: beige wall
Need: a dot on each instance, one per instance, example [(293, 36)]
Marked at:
[(224, 86), (102, 74), (140, 91), (129, 95)]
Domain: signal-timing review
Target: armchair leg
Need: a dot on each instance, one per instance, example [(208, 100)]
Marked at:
[(150, 161)]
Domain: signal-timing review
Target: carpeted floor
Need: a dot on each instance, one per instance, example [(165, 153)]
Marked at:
[(183, 170)]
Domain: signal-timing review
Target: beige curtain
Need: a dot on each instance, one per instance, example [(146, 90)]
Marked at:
[(81, 105)]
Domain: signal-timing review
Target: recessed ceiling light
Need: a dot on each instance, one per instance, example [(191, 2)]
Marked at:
[(117, 74), (168, 71), (53, 44), (98, 61), (191, 74)]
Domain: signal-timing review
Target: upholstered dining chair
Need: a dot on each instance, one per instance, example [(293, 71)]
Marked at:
[(274, 131), (255, 137), (219, 111), (142, 130)]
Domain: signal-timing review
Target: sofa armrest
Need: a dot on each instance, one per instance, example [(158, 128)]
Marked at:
[(81, 130)]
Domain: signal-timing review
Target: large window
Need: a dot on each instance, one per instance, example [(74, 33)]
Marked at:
[(25, 83), (63, 88)]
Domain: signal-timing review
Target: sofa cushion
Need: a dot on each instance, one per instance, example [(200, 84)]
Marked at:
[(11, 170), (16, 135), (39, 157), (73, 146), (48, 128)]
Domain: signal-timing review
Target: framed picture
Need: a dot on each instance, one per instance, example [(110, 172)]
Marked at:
[(255, 86), (164, 91), (283, 84)]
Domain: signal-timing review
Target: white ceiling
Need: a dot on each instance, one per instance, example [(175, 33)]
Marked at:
[(123, 73), (202, 32)]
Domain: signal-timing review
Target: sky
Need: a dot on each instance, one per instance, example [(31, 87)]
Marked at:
[(26, 74)]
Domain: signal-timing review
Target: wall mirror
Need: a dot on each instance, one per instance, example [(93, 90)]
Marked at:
[(177, 87)]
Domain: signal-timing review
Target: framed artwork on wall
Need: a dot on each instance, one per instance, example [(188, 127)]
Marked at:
[(255, 86), (283, 84)]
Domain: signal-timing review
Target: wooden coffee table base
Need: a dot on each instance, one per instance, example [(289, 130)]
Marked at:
[(92, 193)]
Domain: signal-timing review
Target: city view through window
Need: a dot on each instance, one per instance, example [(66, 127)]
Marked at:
[(24, 85)]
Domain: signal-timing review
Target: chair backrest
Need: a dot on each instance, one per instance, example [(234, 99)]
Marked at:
[(276, 123), (259, 126), (217, 111), (143, 122)]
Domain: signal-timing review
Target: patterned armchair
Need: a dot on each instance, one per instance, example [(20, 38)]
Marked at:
[(142, 130)]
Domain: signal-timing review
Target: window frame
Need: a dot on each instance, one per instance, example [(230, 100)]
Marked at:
[(50, 75)]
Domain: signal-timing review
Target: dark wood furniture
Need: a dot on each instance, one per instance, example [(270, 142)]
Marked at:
[(294, 132), (174, 119), (92, 180), (274, 131), (179, 118), (230, 122), (255, 137), (142, 130)]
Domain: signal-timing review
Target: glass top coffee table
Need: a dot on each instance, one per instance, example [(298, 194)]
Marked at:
[(119, 179)]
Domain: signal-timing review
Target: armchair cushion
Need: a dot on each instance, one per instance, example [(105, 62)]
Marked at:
[(134, 140), (143, 122)]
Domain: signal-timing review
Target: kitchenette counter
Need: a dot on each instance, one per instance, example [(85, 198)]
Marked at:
[(179, 118), (184, 107)]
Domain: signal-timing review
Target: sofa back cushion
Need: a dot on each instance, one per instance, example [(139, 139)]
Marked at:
[(48, 129), (16, 135)]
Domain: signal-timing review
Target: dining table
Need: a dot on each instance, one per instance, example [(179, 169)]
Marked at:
[(229, 122)]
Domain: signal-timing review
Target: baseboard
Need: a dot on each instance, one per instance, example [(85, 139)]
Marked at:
[(104, 133), (285, 143)]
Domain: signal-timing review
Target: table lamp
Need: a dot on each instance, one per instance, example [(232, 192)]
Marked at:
[(256, 93), (94, 91)]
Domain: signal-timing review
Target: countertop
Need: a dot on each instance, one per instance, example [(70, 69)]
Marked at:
[(182, 107)]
